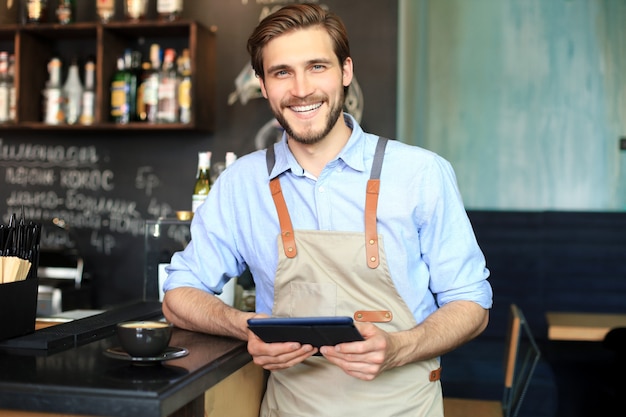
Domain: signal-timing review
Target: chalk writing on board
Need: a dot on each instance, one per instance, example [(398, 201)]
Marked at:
[(74, 183)]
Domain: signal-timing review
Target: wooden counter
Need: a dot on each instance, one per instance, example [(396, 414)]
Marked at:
[(217, 378), (591, 327)]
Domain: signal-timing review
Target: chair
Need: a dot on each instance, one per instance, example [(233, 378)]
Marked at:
[(521, 355)]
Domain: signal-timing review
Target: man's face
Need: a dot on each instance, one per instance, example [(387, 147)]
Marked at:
[(304, 83)]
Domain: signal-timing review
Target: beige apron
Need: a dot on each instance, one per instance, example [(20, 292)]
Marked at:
[(327, 273)]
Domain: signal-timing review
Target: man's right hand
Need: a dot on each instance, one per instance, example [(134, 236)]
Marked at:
[(276, 356)]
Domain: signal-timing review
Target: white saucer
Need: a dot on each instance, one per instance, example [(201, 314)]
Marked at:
[(172, 352)]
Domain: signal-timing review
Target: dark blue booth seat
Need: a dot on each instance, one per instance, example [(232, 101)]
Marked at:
[(541, 261)]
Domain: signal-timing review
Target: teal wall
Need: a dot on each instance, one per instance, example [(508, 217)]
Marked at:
[(524, 97)]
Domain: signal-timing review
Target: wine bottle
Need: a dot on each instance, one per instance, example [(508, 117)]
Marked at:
[(203, 180)]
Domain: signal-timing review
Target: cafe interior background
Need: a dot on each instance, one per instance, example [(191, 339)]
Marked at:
[(524, 97)]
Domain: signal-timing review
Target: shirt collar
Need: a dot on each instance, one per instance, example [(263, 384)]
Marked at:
[(351, 154)]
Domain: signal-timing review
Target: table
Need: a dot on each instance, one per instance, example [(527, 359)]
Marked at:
[(591, 327), (217, 377)]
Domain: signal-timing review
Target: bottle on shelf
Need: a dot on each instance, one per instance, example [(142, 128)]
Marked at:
[(53, 94), (73, 94), (120, 94), (66, 11), (5, 87), (132, 63), (135, 10), (12, 90), (36, 11), (168, 103), (88, 113), (203, 180), (105, 9), (148, 87), (184, 87), (169, 10), (230, 158)]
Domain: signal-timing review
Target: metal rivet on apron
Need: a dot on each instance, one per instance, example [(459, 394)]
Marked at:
[(290, 249), (359, 316), (387, 315), (373, 259), (372, 241), (286, 233)]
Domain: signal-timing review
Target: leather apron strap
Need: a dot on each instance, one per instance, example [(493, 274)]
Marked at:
[(286, 228), (371, 206)]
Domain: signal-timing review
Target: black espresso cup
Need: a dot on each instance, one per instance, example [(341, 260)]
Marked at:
[(144, 338)]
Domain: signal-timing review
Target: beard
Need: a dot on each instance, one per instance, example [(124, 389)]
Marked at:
[(310, 136)]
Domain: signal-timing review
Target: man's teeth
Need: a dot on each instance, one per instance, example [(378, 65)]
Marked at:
[(310, 107)]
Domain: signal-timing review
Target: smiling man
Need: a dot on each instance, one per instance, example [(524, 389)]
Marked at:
[(334, 221)]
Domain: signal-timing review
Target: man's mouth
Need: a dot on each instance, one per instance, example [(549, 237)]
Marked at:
[(307, 108)]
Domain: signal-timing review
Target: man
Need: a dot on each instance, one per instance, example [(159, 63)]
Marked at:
[(334, 221)]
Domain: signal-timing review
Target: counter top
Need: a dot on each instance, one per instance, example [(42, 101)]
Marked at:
[(83, 380)]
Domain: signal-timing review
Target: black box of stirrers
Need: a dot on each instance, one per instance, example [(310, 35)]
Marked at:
[(19, 259), (18, 306)]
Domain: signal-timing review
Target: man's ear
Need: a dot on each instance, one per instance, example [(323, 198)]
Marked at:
[(347, 70), (262, 83)]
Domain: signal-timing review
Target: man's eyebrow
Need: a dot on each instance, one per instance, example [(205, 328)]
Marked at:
[(281, 67)]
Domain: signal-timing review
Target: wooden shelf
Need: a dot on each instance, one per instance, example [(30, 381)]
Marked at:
[(35, 44)]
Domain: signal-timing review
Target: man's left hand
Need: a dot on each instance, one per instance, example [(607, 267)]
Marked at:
[(364, 359)]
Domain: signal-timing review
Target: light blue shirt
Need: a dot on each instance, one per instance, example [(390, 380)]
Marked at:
[(430, 246)]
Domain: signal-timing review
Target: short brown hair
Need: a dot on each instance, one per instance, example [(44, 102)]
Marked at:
[(290, 18)]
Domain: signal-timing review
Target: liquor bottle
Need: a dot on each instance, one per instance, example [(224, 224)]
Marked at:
[(168, 103), (203, 180), (73, 94), (230, 158), (105, 9), (12, 90), (120, 94), (184, 87), (135, 10), (53, 94), (169, 10), (148, 88), (5, 88), (66, 11), (87, 115), (142, 115), (36, 11), (132, 62)]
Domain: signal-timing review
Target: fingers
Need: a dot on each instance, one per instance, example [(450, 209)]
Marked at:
[(275, 356)]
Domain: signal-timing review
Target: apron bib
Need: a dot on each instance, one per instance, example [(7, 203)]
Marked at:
[(331, 273)]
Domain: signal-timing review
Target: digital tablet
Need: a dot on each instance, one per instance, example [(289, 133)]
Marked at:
[(316, 331)]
